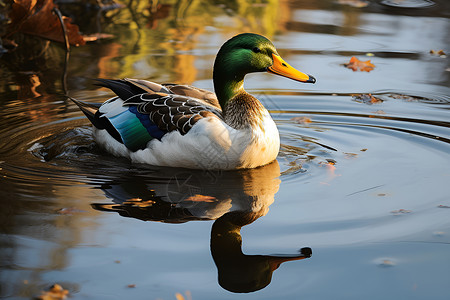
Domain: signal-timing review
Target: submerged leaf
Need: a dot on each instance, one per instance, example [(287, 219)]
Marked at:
[(356, 64)]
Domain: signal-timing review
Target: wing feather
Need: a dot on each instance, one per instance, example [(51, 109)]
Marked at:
[(145, 110), (172, 112)]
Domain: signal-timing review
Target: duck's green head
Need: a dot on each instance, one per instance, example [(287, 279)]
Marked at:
[(247, 53)]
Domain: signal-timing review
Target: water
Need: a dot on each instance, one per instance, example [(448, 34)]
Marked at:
[(364, 185)]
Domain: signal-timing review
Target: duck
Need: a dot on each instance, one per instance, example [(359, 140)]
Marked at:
[(177, 125)]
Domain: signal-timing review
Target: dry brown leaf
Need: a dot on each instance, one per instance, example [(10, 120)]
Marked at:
[(356, 64), (35, 17)]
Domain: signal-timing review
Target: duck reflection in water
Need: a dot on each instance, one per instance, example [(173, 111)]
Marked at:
[(233, 199)]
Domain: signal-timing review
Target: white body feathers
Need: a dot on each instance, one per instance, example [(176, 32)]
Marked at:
[(210, 144)]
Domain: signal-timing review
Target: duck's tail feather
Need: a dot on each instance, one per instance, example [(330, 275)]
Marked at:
[(121, 88), (89, 109), (92, 113)]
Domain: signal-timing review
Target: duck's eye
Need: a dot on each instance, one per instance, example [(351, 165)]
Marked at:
[(256, 50)]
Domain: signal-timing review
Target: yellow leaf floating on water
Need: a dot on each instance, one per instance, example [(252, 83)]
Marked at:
[(356, 64), (56, 292)]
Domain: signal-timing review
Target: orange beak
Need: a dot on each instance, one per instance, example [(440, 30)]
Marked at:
[(282, 68)]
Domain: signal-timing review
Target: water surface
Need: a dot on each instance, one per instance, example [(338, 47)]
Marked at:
[(362, 183)]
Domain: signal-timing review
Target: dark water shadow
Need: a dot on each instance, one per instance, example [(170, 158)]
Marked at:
[(232, 199)]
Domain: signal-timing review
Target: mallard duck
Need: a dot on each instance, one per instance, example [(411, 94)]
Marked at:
[(184, 126)]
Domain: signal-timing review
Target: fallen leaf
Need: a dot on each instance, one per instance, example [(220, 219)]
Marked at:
[(131, 286), (331, 161), (356, 64), (35, 17), (366, 99), (363, 150), (56, 292), (439, 53)]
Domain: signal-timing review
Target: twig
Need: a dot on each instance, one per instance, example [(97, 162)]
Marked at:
[(66, 42)]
